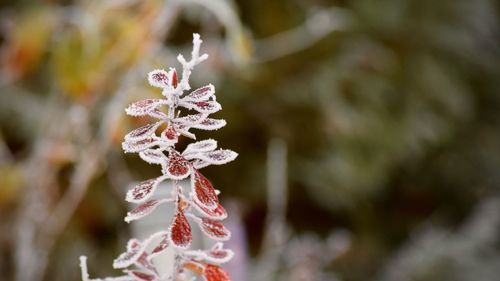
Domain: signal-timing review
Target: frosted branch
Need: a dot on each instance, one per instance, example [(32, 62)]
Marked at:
[(202, 205)]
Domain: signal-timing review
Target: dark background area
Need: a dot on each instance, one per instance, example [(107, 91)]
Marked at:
[(389, 110)]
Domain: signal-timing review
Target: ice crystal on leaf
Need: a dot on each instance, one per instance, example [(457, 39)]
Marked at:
[(178, 167), (144, 107), (190, 120), (144, 209), (139, 145), (218, 157), (215, 273), (143, 190), (210, 124), (214, 229), (142, 132), (201, 205), (201, 146), (180, 231), (206, 107), (158, 78), (141, 275), (200, 94), (204, 192), (218, 213), (153, 156)]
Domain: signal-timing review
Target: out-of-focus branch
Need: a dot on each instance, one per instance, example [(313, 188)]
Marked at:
[(317, 26), (275, 231), (277, 194)]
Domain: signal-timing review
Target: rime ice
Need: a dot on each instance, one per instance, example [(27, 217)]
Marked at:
[(201, 205)]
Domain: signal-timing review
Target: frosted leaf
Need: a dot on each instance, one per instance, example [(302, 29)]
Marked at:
[(142, 132), (127, 258), (144, 209), (214, 229), (196, 267), (215, 273), (204, 192), (218, 157), (178, 167), (210, 124), (200, 94), (180, 231), (170, 133), (144, 262), (157, 113), (200, 146), (133, 244), (160, 247), (135, 251), (138, 145), (144, 107), (199, 164), (153, 156), (219, 255), (206, 107), (218, 213), (158, 78), (187, 134), (195, 254), (142, 191), (190, 120), (173, 78), (143, 259), (141, 275)]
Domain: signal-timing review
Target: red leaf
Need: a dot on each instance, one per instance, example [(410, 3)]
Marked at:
[(215, 273), (218, 213), (143, 190), (170, 133), (158, 78), (174, 78), (196, 267), (143, 210), (200, 146), (204, 106), (218, 157), (204, 192), (142, 132), (178, 167), (157, 113), (135, 253), (144, 262), (143, 107), (200, 94), (141, 275), (180, 231), (127, 258), (139, 145), (219, 256), (190, 120), (210, 124), (214, 229), (153, 156), (161, 246)]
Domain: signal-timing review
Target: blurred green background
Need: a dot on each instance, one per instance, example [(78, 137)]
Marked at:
[(389, 112)]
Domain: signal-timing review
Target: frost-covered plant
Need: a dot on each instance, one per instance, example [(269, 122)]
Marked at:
[(200, 204)]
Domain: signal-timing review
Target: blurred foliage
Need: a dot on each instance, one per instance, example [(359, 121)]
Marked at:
[(392, 122)]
